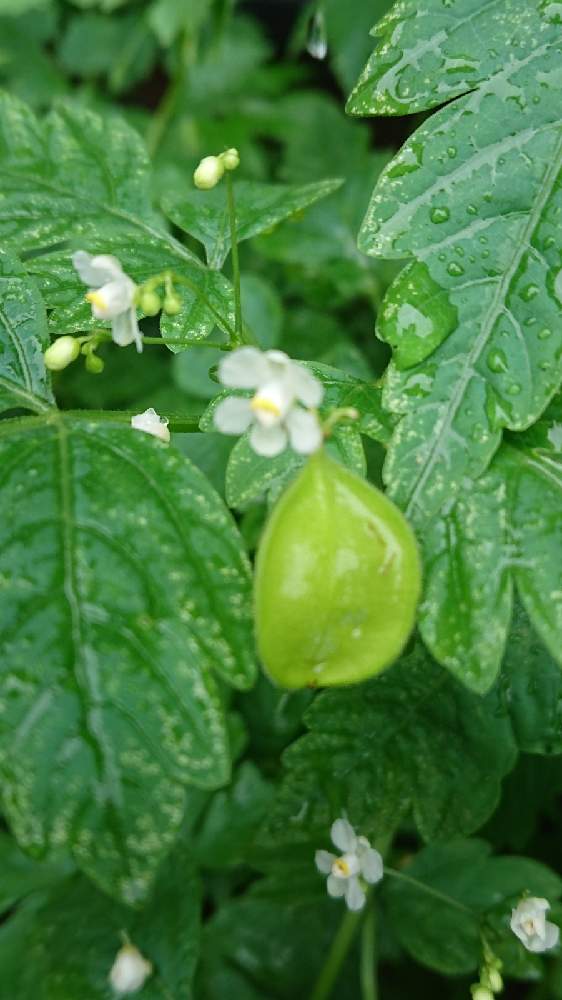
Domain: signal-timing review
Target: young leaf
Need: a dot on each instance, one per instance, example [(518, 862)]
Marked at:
[(84, 179), (204, 214), (412, 738), (24, 381), (125, 591), (166, 932), (474, 197), (439, 921)]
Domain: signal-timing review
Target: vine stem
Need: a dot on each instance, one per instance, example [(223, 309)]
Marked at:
[(340, 947), (422, 887), (235, 259), (368, 967)]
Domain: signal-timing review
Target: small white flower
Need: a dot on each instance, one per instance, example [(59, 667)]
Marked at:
[(129, 970), (111, 295), (347, 874), (273, 413), (529, 923), (151, 423)]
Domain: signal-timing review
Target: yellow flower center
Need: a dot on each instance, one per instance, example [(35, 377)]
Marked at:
[(341, 867), (96, 298), (265, 405)]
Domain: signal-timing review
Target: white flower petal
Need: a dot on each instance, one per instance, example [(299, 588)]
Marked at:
[(112, 299), (371, 865), (151, 423), (268, 441), (552, 935), (306, 387), (96, 271), (354, 895), (129, 970), (233, 415), (125, 329), (336, 887), (324, 861), (244, 368), (343, 835), (305, 432)]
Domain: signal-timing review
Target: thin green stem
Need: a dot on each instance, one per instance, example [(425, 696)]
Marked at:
[(235, 259), (337, 954), (368, 967), (422, 887), (164, 113)]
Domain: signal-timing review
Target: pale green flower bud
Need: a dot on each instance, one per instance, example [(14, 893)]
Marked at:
[(494, 980), (230, 159), (208, 173), (172, 305), (481, 993), (62, 353), (150, 303), (94, 365)]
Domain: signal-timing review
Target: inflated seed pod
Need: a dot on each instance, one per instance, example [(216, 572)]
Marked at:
[(337, 580)]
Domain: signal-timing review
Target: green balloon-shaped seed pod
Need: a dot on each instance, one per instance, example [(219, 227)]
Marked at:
[(337, 582)]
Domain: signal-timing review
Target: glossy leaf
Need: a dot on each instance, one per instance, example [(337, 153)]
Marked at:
[(410, 739), (22, 875), (505, 530), (24, 381), (125, 590), (474, 196), (82, 178), (75, 913), (204, 214), (438, 921)]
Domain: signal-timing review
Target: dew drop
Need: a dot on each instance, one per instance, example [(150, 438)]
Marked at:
[(439, 214), (452, 152), (529, 292), (514, 389), (544, 334), (455, 269), (497, 361)]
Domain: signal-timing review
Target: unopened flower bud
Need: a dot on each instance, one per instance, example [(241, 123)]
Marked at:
[(208, 173), (494, 980), (129, 970), (62, 353), (480, 992), (93, 364), (150, 303), (230, 159), (172, 305)]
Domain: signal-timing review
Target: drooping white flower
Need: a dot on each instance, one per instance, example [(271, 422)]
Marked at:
[(529, 923), (111, 295), (273, 413), (151, 423), (130, 970), (347, 874)]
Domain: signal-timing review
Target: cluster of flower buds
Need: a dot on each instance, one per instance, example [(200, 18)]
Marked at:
[(151, 301), (212, 168)]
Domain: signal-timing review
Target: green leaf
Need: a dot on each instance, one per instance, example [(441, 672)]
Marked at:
[(474, 197), (411, 738), (439, 921), (348, 27), (24, 381), (84, 180), (204, 214), (75, 913), (125, 589), (224, 834), (503, 531), (22, 875)]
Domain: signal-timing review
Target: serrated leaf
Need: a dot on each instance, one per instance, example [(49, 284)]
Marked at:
[(504, 530), (62, 945), (124, 588), (204, 214), (474, 197), (24, 381), (410, 739), (439, 921), (84, 180)]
